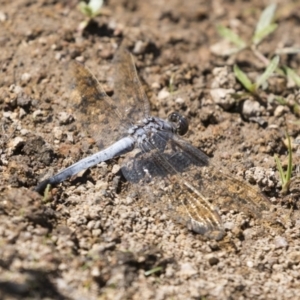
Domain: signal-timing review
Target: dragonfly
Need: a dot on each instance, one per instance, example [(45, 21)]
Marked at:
[(170, 172)]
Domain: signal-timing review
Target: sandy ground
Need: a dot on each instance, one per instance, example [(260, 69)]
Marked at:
[(90, 238)]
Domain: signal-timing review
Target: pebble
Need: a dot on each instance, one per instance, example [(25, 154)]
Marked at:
[(179, 101), (15, 143), (37, 113), (163, 94), (280, 110), (96, 232), (65, 118), (115, 169), (139, 47), (22, 113), (187, 270), (251, 108), (58, 133), (294, 257), (249, 264), (3, 16), (222, 97), (25, 78), (280, 242), (24, 131), (95, 272)]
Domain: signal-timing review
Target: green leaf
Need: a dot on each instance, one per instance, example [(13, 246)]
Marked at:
[(243, 78), (85, 9), (285, 177), (266, 18), (95, 6), (91, 9), (260, 35), (268, 72), (280, 170), (280, 100), (152, 271), (292, 74), (231, 36)]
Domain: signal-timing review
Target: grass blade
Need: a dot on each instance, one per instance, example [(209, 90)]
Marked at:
[(152, 271), (292, 74), (280, 170), (268, 72), (231, 36), (243, 78), (290, 166), (266, 18), (260, 35)]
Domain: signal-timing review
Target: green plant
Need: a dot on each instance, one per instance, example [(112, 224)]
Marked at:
[(265, 26), (290, 73), (90, 10), (152, 271), (252, 87), (285, 176)]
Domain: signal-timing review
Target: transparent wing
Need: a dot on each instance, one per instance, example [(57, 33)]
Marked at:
[(181, 180), (94, 110), (155, 169), (128, 91)]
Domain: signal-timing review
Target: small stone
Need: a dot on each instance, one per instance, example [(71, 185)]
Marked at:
[(280, 110), (15, 144), (37, 113), (25, 78), (128, 201), (3, 16), (90, 224), (23, 100), (229, 225), (115, 169), (70, 137), (155, 85), (15, 89), (58, 56), (58, 133), (65, 118), (187, 270), (106, 53), (95, 272), (280, 242), (139, 47), (294, 257), (179, 101), (24, 131), (251, 108), (249, 264), (163, 94), (22, 113), (42, 41), (222, 97), (96, 232), (80, 59)]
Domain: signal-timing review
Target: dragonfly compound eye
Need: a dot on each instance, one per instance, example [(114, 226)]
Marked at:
[(181, 123)]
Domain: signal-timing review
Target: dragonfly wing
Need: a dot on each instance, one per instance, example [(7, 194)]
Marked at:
[(94, 110), (181, 178), (128, 90), (155, 176)]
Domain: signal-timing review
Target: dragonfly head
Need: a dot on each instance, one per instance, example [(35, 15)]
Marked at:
[(180, 123)]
